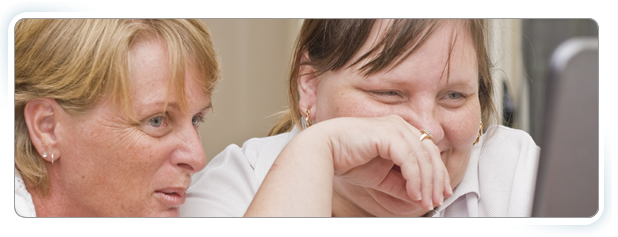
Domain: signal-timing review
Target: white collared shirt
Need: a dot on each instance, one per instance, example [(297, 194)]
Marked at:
[(499, 180), (23, 201)]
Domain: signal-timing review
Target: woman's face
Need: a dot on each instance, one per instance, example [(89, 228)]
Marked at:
[(112, 167), (419, 91)]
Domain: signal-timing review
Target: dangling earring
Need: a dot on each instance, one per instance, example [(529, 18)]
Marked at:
[(308, 122), (480, 133), (52, 158)]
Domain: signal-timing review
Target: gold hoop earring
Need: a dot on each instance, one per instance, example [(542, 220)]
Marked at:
[(308, 122), (480, 133)]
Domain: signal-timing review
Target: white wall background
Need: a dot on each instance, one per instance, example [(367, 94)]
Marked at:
[(254, 56)]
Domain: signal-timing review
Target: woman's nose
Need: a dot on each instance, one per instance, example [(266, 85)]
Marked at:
[(425, 117), (431, 125), (190, 154)]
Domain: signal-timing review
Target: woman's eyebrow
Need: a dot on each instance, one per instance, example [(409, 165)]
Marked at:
[(144, 108), (207, 107), (461, 83), (390, 79)]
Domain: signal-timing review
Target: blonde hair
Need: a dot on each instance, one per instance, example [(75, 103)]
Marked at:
[(78, 61), (330, 44)]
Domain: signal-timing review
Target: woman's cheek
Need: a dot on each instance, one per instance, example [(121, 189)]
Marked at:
[(463, 128)]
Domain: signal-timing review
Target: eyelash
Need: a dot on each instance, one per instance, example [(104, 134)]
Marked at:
[(387, 93), (196, 120), (395, 93)]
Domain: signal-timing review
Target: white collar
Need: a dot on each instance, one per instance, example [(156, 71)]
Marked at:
[(23, 200)]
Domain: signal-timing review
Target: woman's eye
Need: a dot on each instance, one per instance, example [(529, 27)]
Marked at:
[(197, 120), (454, 96), (157, 125), (156, 121), (387, 93), (388, 96)]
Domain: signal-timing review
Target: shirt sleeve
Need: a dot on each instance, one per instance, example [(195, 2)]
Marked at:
[(224, 188)]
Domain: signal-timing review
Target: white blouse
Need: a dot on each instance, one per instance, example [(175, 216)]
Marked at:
[(499, 180), (23, 201)]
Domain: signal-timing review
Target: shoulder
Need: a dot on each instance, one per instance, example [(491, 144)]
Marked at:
[(507, 167), (253, 154), (230, 180), (262, 152), (505, 149), (503, 144), (500, 136), (23, 201), (265, 149)]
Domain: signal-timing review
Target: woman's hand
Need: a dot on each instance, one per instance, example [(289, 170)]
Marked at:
[(365, 150), (361, 151)]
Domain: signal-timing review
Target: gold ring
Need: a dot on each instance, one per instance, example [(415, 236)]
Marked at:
[(425, 134)]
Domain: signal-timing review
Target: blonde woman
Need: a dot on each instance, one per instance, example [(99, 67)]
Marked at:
[(107, 114), (385, 119)]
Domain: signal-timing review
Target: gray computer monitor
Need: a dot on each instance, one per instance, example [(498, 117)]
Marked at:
[(568, 173)]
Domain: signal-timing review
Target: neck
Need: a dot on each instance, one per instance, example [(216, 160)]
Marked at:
[(45, 205), (53, 203)]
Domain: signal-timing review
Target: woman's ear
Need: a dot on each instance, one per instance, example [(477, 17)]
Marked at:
[(41, 119), (307, 86)]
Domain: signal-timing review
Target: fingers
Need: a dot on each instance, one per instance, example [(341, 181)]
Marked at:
[(405, 154), (428, 178), (439, 173), (417, 168), (448, 190), (411, 172), (422, 177), (422, 167)]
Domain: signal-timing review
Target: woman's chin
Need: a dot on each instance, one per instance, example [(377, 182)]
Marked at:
[(171, 212), (391, 206)]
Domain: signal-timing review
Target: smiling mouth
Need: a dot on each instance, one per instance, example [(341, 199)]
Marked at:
[(175, 194)]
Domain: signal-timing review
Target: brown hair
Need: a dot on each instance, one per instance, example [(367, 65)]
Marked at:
[(78, 61), (331, 44)]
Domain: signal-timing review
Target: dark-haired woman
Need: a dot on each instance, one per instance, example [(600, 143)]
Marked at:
[(385, 119)]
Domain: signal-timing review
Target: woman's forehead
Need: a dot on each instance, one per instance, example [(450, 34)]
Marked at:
[(449, 47), (153, 82)]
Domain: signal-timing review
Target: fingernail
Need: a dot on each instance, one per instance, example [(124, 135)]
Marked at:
[(420, 197), (430, 205)]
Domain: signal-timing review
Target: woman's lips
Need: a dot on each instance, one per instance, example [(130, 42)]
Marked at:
[(172, 197)]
